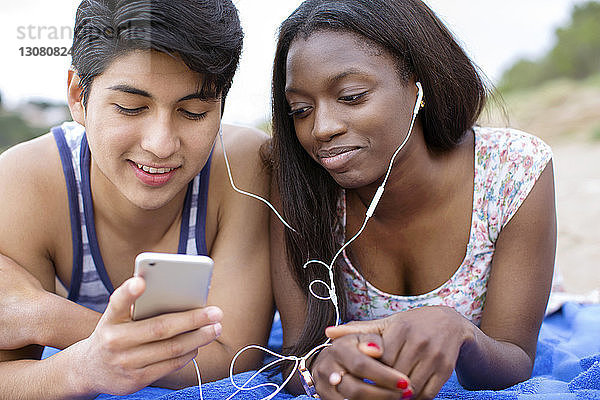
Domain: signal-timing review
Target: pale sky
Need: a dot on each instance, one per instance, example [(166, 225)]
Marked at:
[(495, 33)]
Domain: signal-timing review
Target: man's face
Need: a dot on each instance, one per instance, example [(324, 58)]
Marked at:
[(148, 129)]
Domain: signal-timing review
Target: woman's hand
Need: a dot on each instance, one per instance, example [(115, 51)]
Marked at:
[(340, 370), (423, 343), (21, 302), (122, 355)]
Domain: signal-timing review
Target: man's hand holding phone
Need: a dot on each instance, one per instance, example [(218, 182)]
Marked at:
[(123, 355)]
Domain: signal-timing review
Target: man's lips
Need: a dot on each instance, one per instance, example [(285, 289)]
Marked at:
[(153, 176), (154, 167)]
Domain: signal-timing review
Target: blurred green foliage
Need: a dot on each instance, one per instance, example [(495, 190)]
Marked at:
[(14, 129), (575, 55), (266, 127), (596, 133)]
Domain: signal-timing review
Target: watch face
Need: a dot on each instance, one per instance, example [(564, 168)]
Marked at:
[(307, 382), (307, 379)]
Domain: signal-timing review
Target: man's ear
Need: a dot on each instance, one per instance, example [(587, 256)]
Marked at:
[(74, 97)]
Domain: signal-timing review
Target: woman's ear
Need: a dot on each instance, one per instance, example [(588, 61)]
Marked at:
[(74, 97)]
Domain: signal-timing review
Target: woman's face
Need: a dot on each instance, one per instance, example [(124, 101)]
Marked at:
[(351, 109), (149, 130)]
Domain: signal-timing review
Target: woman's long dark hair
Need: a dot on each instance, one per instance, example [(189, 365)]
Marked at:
[(455, 96)]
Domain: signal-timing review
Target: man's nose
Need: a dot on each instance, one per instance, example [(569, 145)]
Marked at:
[(161, 138)]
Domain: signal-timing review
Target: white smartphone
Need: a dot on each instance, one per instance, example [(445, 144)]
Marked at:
[(174, 282)]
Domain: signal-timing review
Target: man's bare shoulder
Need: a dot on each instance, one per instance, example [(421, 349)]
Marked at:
[(32, 165), (33, 189)]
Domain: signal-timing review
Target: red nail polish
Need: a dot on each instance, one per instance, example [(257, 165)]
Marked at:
[(374, 345), (402, 384), (407, 394)]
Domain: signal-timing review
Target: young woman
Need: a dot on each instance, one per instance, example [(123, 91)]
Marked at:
[(138, 170), (454, 268)]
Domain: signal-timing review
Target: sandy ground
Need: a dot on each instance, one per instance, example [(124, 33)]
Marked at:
[(577, 174), (566, 114)]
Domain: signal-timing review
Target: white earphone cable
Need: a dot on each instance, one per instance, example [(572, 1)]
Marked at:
[(254, 196)]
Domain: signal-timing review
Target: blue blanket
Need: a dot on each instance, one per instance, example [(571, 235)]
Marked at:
[(567, 366)]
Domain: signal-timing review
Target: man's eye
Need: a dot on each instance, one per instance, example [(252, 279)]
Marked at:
[(192, 116), (129, 111), (299, 112)]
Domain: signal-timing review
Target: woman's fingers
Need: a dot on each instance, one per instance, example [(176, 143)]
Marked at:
[(348, 352), (355, 327), (432, 387), (406, 359), (351, 387), (327, 390), (409, 345), (333, 382), (390, 348), (423, 360), (428, 376), (371, 345)]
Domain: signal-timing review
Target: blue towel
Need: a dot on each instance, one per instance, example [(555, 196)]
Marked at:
[(567, 366)]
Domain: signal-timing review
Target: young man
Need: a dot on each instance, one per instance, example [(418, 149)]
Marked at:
[(138, 170)]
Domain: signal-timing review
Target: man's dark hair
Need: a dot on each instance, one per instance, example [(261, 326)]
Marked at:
[(425, 50), (205, 34)]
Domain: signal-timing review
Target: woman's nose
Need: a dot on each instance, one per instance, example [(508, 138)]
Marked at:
[(327, 124)]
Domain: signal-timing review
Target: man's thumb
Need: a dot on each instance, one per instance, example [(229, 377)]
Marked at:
[(119, 305)]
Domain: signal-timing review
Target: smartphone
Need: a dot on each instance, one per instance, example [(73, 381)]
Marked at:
[(174, 282)]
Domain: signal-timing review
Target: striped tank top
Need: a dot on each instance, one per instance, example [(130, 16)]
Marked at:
[(90, 285)]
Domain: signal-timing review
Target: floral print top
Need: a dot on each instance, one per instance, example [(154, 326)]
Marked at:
[(507, 165)]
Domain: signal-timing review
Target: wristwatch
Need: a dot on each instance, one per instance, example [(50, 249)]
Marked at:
[(307, 380)]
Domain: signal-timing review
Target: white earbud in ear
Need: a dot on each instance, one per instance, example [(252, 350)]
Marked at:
[(419, 98)]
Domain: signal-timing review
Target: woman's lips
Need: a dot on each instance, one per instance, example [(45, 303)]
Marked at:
[(336, 160)]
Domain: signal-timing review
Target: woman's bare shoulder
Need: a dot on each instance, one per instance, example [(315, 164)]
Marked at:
[(242, 140)]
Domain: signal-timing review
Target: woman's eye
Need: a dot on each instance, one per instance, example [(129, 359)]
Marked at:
[(192, 116), (299, 112), (353, 97), (129, 111)]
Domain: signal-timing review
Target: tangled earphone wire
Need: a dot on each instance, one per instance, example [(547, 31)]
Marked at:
[(330, 286)]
